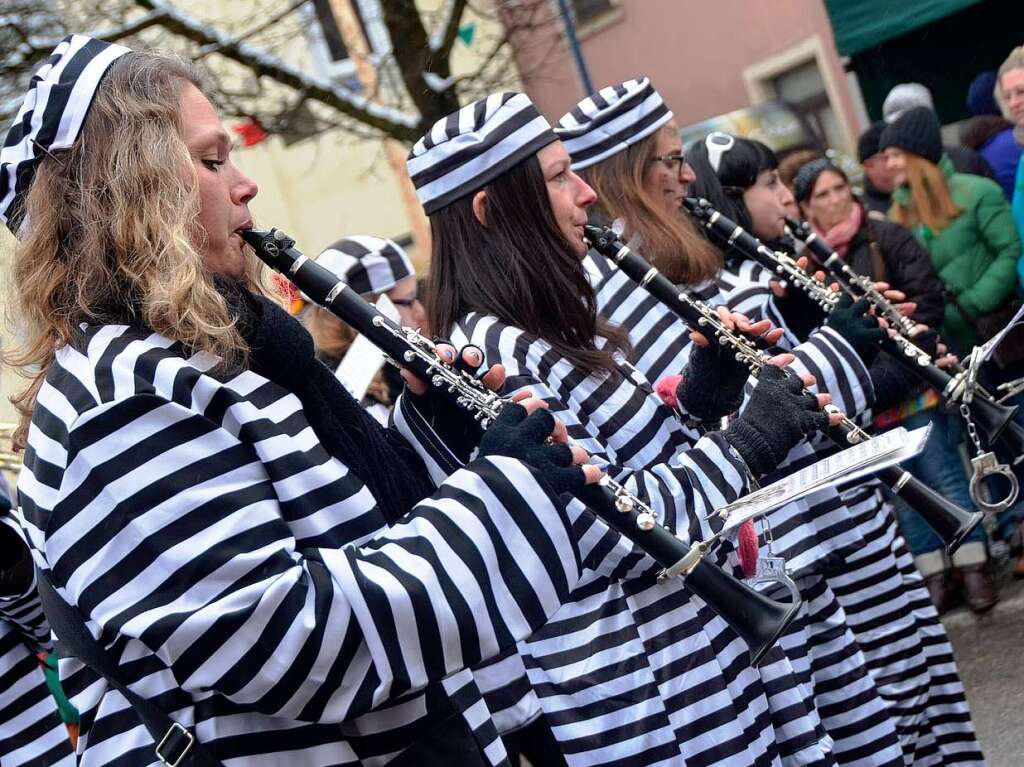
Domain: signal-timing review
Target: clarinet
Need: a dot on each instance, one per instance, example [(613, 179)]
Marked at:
[(949, 521), (857, 285), (755, 618), (993, 418)]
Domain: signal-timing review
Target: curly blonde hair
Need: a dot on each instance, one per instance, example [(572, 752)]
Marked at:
[(114, 232)]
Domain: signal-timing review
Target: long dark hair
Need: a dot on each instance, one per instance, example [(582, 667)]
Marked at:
[(738, 170), (519, 268)]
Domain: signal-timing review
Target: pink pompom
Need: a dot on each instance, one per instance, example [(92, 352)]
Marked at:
[(747, 539), (666, 389)]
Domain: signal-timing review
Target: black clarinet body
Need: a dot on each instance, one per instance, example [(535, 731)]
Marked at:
[(948, 520), (755, 618)]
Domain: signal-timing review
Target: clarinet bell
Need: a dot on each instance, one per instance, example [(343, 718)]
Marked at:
[(1012, 438), (992, 419), (951, 523), (758, 620)]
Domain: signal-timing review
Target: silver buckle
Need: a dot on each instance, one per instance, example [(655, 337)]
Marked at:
[(181, 731)]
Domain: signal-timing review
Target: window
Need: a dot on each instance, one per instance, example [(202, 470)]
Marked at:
[(329, 30), (804, 88), (586, 11), (328, 49)]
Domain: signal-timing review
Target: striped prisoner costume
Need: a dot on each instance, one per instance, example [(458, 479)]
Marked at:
[(856, 551), (821, 646), (894, 620), (31, 731), (634, 672), (243, 578)]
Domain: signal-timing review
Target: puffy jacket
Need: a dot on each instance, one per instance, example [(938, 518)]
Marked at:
[(906, 265), (1018, 212), (976, 255)]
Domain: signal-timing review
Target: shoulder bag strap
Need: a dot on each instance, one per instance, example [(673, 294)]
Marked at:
[(176, 746)]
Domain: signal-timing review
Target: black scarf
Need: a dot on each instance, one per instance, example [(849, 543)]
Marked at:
[(282, 350)]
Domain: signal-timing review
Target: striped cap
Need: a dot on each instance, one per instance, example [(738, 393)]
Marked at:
[(614, 118), (51, 116), (469, 148), (367, 264)]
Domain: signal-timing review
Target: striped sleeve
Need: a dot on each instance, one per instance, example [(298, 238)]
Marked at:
[(838, 370), (31, 730), (683, 491), (169, 531), (24, 611)]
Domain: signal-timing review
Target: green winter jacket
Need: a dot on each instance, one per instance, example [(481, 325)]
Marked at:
[(975, 256)]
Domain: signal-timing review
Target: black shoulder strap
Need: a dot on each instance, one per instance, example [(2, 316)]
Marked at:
[(176, 746)]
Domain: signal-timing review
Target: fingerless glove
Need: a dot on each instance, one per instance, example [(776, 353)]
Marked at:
[(778, 415)]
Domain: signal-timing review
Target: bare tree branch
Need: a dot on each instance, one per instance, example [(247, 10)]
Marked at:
[(443, 50), (272, 21), (388, 121)]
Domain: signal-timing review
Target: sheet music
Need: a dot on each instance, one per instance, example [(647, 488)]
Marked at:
[(856, 461), (363, 360)]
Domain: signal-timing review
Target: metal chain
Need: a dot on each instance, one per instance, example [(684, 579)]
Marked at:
[(972, 431)]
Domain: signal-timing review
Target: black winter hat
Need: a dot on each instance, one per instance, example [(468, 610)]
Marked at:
[(916, 131), (807, 177), (867, 145)]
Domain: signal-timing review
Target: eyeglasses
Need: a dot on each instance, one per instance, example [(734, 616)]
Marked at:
[(406, 302), (674, 162), (717, 145)]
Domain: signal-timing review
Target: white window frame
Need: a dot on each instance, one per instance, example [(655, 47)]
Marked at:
[(759, 79)]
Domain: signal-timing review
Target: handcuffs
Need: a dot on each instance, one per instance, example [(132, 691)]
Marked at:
[(985, 463)]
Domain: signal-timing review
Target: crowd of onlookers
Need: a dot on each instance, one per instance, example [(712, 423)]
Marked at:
[(946, 220)]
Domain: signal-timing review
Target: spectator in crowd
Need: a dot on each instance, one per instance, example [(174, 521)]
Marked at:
[(372, 267), (989, 133), (1009, 94), (965, 224), (878, 186), (907, 96)]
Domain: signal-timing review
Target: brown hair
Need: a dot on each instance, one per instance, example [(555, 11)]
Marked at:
[(791, 164), (930, 200), (667, 240), (114, 235), (332, 338)]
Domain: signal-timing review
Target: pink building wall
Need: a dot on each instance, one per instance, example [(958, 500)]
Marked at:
[(694, 53)]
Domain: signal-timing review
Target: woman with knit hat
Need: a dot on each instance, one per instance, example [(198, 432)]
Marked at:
[(635, 672), (963, 221), (243, 582), (641, 178)]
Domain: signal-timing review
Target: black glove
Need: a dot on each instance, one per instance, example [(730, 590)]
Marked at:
[(860, 329), (778, 415), (801, 313), (712, 384), (454, 424), (518, 435)]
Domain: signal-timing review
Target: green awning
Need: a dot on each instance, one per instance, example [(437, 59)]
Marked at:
[(862, 24)]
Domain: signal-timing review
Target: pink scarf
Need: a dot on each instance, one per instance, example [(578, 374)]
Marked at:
[(840, 235)]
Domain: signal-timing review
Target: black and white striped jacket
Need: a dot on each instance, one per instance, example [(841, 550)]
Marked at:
[(244, 579), (632, 671), (31, 730), (809, 531)]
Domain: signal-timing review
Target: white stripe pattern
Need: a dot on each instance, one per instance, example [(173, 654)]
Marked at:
[(632, 672), (244, 579)]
